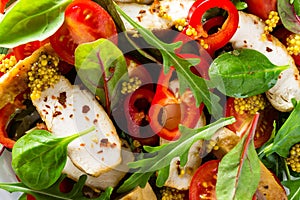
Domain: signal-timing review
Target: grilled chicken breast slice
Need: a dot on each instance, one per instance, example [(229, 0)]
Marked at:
[(249, 35), (105, 180), (66, 109)]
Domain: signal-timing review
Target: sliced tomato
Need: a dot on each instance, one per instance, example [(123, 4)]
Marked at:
[(261, 8), (203, 183), (26, 50), (264, 125), (85, 21)]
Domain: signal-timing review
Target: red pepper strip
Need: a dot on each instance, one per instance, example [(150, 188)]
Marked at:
[(167, 112), (3, 5), (219, 39), (5, 114)]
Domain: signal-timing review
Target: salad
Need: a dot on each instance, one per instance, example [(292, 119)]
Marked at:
[(170, 99)]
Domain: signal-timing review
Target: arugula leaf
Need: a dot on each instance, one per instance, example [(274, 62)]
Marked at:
[(233, 73), (239, 169), (53, 192), (240, 5), (287, 16), (294, 188), (101, 66), (186, 77), (159, 158), (287, 135), (39, 157), (31, 20)]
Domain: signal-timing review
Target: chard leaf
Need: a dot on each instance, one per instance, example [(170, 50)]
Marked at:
[(296, 4), (186, 77), (31, 20), (39, 157), (294, 188), (53, 192), (239, 74), (287, 135), (287, 16), (159, 158), (101, 66), (239, 170)]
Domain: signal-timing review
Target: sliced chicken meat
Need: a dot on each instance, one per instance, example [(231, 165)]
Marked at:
[(249, 35), (66, 109)]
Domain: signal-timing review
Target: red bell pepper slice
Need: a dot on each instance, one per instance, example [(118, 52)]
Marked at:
[(167, 111), (3, 5), (219, 39)]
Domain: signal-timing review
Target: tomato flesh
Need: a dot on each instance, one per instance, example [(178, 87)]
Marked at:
[(261, 8), (264, 126), (85, 21), (203, 183)]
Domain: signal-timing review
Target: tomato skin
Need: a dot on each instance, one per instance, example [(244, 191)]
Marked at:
[(85, 21), (261, 8), (27, 49), (205, 174)]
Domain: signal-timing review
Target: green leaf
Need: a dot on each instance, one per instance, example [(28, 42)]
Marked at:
[(136, 179), (3, 50), (296, 4), (159, 159), (240, 5), (39, 157), (53, 192), (233, 73), (287, 135), (101, 66), (239, 170), (162, 176), (287, 16), (186, 77), (294, 188), (31, 20)]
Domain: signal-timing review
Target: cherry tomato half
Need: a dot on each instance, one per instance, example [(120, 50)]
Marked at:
[(85, 21), (3, 5), (261, 8), (264, 126), (27, 49), (203, 183)]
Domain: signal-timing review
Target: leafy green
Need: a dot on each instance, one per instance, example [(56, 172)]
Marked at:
[(186, 77), (39, 157), (240, 5), (53, 192), (296, 4), (234, 73), (239, 169), (287, 16), (31, 20), (3, 50), (101, 66), (159, 158), (287, 135), (294, 189)]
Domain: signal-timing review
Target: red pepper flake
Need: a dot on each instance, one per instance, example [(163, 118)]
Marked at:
[(101, 151), (71, 115), (86, 118), (82, 144), (56, 113), (95, 121), (45, 99), (268, 49), (104, 142), (85, 109), (45, 111), (62, 99), (47, 106)]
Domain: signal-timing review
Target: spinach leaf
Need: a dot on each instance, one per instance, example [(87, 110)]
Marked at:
[(294, 188), (239, 169), (287, 135), (187, 78), (287, 16), (243, 73), (53, 192), (159, 158), (101, 66), (31, 20), (39, 157)]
